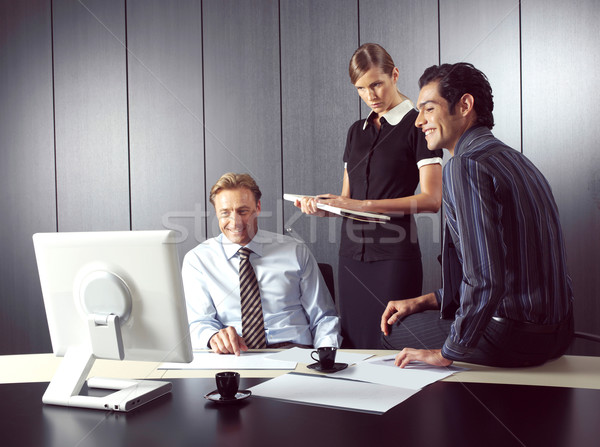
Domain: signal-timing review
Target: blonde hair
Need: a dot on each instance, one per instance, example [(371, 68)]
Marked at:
[(231, 180), (367, 56)]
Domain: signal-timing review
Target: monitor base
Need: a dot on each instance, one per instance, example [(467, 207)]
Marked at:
[(68, 381)]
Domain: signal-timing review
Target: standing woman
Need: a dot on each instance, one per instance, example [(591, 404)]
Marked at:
[(385, 159)]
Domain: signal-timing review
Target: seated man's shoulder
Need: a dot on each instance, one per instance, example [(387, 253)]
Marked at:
[(281, 244), (209, 247), (269, 237)]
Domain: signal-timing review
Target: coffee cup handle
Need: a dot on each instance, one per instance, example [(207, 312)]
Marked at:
[(312, 357)]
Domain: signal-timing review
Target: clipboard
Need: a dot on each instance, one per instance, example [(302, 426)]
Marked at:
[(350, 214)]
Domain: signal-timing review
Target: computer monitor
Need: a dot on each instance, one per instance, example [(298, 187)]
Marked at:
[(111, 295)]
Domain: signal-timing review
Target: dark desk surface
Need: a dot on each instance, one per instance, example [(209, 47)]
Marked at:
[(442, 414)]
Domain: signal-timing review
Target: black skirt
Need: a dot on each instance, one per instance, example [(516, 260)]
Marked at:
[(364, 291)]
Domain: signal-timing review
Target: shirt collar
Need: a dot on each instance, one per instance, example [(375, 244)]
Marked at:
[(395, 115), (472, 134), (231, 248)]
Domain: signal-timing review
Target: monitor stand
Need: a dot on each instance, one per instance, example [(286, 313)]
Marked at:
[(70, 376)]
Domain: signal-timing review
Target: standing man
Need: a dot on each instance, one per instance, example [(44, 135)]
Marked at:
[(250, 288), (507, 297)]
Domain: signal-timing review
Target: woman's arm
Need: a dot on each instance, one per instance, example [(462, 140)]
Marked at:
[(308, 205), (428, 200)]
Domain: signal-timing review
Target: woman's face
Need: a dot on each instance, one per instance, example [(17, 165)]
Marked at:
[(378, 90)]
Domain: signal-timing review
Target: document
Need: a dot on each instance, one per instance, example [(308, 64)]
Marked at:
[(335, 393), (246, 360), (351, 214), (301, 355), (388, 360), (411, 377)]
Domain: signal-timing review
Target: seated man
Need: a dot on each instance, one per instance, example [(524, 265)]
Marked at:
[(506, 298), (279, 299)]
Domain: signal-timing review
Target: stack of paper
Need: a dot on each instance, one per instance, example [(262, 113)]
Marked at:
[(330, 392), (247, 360), (371, 386)]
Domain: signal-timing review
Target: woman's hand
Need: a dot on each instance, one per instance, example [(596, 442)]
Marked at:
[(340, 202), (308, 205)]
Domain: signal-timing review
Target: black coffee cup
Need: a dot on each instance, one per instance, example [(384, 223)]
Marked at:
[(326, 356), (228, 383)]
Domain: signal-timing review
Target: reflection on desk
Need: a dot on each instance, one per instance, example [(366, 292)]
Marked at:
[(444, 413)]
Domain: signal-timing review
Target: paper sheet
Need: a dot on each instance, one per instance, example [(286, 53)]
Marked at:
[(388, 360), (246, 360), (328, 392), (301, 355), (413, 378)]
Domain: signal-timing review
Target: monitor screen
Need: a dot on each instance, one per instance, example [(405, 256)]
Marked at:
[(114, 295)]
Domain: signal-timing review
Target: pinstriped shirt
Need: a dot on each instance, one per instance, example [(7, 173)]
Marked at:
[(504, 223)]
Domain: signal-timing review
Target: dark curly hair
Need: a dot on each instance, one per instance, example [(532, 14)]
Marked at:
[(457, 79)]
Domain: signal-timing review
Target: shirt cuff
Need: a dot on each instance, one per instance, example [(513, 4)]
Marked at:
[(332, 340), (204, 337), (438, 296), (454, 351), (429, 161)]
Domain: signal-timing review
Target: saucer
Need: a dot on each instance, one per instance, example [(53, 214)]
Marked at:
[(336, 367), (214, 396)]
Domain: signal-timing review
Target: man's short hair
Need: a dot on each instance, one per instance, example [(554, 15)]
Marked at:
[(235, 181), (455, 80)]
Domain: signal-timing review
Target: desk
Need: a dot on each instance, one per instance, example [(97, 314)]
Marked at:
[(566, 371), (497, 415)]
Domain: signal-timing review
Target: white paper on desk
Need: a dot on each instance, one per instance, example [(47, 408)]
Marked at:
[(246, 360), (301, 355), (388, 360), (411, 378), (329, 392)]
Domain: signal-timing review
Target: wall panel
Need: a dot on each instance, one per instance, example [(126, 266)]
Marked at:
[(560, 107), (493, 29), (242, 99), (318, 106), (166, 118), (213, 86), (409, 32), (91, 115), (27, 199)]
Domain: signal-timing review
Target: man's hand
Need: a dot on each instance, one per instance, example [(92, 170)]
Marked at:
[(227, 341), (397, 310), (429, 356)]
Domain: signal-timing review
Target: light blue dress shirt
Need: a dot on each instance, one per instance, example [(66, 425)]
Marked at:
[(297, 306)]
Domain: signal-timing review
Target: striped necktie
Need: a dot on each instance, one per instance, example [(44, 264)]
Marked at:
[(253, 326)]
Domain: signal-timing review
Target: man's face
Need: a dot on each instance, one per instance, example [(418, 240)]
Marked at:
[(442, 129), (237, 211)]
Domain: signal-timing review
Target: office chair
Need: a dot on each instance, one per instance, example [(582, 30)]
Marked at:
[(327, 272)]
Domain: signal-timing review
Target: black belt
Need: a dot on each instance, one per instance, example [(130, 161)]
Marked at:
[(528, 327)]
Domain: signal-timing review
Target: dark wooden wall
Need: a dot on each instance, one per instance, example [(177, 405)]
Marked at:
[(121, 114)]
